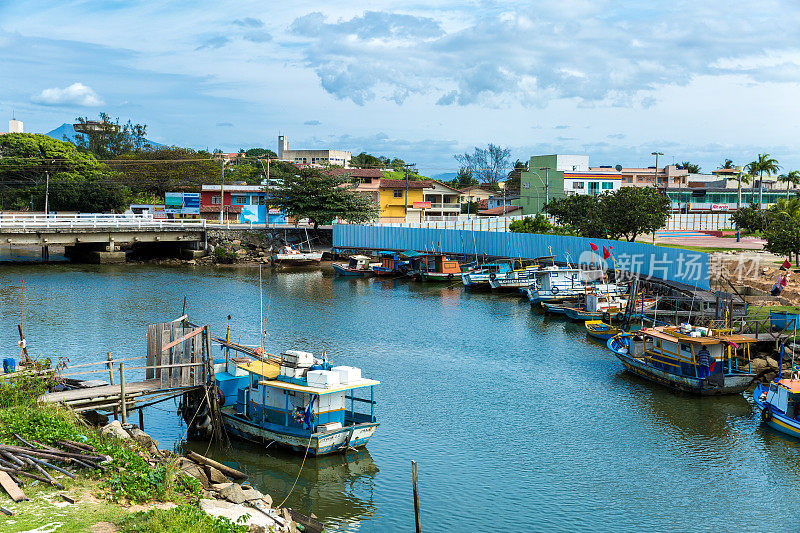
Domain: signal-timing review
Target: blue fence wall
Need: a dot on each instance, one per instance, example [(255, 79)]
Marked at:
[(674, 264)]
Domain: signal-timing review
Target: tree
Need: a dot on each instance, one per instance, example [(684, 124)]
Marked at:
[(751, 218), (741, 177), (583, 212), (106, 138), (514, 181), (78, 182), (486, 164), (167, 169), (261, 153), (783, 235), (631, 211), (764, 163), (728, 163), (322, 198), (792, 178), (690, 167), (463, 180)]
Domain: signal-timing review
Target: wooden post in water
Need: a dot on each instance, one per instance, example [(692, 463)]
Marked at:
[(110, 367), (122, 392), (416, 495)]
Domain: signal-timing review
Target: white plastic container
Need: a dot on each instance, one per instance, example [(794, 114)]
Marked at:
[(296, 357), (291, 371), (330, 426), (322, 379), (347, 374)]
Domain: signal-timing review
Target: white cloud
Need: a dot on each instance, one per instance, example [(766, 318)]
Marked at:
[(76, 94)]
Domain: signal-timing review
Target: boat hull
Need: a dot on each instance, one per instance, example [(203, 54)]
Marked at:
[(601, 331), (438, 276), (345, 271), (777, 421), (733, 383), (298, 259), (336, 441)]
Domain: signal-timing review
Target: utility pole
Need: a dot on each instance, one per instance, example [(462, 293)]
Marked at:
[(222, 193), (407, 167), (47, 193), (655, 174), (266, 200)]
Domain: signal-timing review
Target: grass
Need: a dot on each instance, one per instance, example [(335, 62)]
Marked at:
[(705, 249), (178, 520)]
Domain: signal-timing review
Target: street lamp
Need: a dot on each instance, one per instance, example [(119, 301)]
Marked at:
[(655, 174)]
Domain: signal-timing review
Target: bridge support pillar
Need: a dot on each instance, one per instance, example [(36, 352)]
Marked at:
[(45, 253), (89, 253)]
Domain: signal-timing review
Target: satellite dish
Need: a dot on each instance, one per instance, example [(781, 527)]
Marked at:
[(618, 167)]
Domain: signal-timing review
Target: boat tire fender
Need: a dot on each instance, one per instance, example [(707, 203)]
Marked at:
[(606, 317), (492, 276), (618, 316), (554, 290), (449, 276), (766, 413)]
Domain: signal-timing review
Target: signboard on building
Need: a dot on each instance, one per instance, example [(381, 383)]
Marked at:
[(719, 207), (422, 205), (274, 211), (182, 203), (159, 212)]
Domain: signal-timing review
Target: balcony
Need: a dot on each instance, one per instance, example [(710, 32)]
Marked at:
[(453, 206)]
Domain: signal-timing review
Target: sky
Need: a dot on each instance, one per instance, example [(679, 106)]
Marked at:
[(697, 80)]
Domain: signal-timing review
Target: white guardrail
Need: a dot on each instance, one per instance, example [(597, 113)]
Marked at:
[(16, 221)]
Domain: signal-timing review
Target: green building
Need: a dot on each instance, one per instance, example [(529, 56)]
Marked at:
[(540, 183)]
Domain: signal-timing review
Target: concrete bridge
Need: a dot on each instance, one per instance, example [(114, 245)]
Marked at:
[(95, 237)]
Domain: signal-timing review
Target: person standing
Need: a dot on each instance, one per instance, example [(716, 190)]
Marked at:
[(703, 361), (780, 283)]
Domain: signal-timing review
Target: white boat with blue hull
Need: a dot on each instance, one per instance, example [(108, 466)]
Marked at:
[(555, 284), (297, 401)]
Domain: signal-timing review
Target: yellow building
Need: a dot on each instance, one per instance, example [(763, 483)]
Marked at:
[(390, 197)]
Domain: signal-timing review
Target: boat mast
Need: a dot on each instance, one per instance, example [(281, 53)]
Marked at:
[(261, 306)]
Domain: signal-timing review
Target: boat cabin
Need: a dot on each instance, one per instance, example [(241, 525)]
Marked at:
[(358, 262), (440, 264), (784, 396)]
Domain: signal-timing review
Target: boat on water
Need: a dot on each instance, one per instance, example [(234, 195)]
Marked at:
[(297, 401), (598, 306), (521, 276), (391, 265), (289, 255), (779, 405), (672, 356), (357, 265), (600, 330), (480, 275), (558, 307), (438, 267), (557, 284)]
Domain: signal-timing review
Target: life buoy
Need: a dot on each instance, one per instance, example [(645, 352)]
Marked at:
[(606, 317), (449, 276), (492, 276), (554, 290), (766, 413)]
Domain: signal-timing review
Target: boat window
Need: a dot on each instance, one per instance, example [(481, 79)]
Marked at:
[(685, 348)]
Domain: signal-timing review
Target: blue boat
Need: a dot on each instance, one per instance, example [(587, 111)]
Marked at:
[(668, 355), (554, 284), (480, 275), (391, 265), (297, 401), (357, 265), (779, 404)]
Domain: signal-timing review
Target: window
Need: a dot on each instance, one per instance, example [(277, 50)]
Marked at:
[(262, 200), (607, 185), (577, 185), (398, 193), (216, 199), (240, 200)]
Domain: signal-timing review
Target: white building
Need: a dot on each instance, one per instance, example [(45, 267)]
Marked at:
[(594, 182), (15, 126), (312, 157)]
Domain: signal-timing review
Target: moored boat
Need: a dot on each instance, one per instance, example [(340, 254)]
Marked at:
[(357, 265), (521, 275), (600, 330), (554, 284), (438, 267), (292, 256), (391, 265), (687, 358), (297, 401), (779, 405), (480, 275)]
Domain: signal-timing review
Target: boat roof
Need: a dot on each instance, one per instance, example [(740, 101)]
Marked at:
[(386, 252), (412, 253), (317, 390), (265, 369), (792, 384), (671, 334), (360, 257)]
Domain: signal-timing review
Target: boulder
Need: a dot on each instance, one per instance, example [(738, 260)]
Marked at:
[(215, 476), (267, 499), (197, 472), (94, 418), (251, 494), (772, 363), (236, 242), (114, 429), (757, 365), (233, 493)]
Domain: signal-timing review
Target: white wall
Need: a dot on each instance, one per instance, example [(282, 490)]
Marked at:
[(570, 163)]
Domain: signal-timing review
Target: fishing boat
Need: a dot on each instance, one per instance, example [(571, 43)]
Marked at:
[(289, 255), (391, 265), (520, 277), (669, 355), (480, 275), (605, 306), (297, 401), (600, 330), (779, 404), (558, 307), (357, 265), (556, 284), (438, 267)]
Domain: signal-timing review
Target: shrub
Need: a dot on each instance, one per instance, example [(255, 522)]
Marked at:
[(223, 255), (179, 520)]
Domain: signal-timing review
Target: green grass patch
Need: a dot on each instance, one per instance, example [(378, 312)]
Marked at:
[(181, 519), (704, 249)]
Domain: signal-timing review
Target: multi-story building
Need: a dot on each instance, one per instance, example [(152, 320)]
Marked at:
[(444, 201), (312, 157), (397, 200), (241, 204), (14, 126), (669, 176)]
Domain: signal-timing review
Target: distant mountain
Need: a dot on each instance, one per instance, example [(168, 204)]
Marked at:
[(445, 176), (68, 131)]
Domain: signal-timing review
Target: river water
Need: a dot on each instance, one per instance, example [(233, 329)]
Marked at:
[(517, 421)]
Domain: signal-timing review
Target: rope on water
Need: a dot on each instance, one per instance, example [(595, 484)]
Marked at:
[(298, 473)]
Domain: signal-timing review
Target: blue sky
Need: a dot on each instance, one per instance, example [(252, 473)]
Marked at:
[(697, 80)]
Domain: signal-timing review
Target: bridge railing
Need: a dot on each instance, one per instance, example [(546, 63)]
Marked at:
[(32, 221)]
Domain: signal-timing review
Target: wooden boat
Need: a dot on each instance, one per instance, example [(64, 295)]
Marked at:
[(480, 275), (779, 404), (668, 355), (437, 267), (600, 330), (520, 277), (296, 401), (556, 308), (358, 265), (292, 256), (554, 284), (603, 306), (391, 265)]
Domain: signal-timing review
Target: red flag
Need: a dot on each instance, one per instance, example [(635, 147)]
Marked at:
[(786, 264), (606, 253), (593, 246)]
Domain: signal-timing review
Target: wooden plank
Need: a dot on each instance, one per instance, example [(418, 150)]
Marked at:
[(11, 488), (151, 350), (188, 347), (183, 338)]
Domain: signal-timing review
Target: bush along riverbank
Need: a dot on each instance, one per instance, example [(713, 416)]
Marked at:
[(59, 473)]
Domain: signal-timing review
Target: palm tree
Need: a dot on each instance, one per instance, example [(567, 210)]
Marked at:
[(792, 178), (763, 164), (740, 177), (727, 164), (692, 168)]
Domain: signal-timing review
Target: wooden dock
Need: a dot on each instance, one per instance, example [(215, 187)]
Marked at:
[(107, 397)]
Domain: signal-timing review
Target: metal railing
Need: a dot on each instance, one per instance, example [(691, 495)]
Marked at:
[(24, 221)]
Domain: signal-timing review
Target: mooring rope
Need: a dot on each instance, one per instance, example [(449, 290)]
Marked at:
[(298, 473)]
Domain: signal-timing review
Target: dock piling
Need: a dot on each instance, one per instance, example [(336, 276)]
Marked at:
[(416, 495), (110, 367), (122, 393)]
